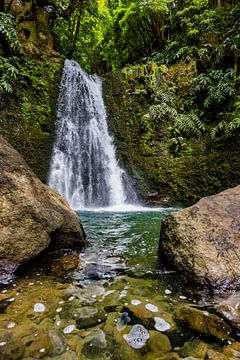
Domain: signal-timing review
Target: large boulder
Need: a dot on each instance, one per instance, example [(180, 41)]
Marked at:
[(203, 241), (33, 217)]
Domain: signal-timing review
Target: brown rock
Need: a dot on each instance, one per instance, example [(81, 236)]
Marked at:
[(215, 355), (158, 343), (203, 241), (204, 322), (194, 347), (232, 351), (33, 217)]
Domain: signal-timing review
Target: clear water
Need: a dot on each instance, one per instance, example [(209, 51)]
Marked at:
[(132, 235), (111, 301)]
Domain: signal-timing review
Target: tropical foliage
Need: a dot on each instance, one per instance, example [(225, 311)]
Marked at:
[(160, 39), (9, 44)]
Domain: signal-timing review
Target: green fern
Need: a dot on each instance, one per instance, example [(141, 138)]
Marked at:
[(8, 73), (8, 31), (162, 112), (216, 86), (190, 124)]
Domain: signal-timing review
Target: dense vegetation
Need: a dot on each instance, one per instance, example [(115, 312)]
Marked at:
[(180, 59), (108, 35)]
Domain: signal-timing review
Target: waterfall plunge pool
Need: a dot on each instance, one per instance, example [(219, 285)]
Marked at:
[(111, 301)]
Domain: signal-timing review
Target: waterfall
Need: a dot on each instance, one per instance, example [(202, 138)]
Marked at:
[(84, 168)]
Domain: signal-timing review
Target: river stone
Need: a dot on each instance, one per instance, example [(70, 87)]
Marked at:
[(95, 345), (167, 356), (33, 216), (203, 242), (88, 316), (158, 343), (215, 355), (205, 323), (12, 350), (232, 351), (58, 342), (68, 355), (230, 309), (137, 336), (195, 348)]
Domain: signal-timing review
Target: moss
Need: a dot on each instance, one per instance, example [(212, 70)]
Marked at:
[(202, 169), (27, 118)]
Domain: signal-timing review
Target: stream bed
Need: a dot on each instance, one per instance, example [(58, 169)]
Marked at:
[(111, 301)]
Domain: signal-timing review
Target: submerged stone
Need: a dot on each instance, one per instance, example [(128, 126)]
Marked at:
[(135, 302), (161, 324), (168, 292), (12, 350), (88, 316), (215, 355), (122, 321), (158, 343), (195, 348), (151, 307), (232, 351), (230, 309), (95, 344), (206, 323), (39, 308), (69, 329), (137, 336), (58, 341)]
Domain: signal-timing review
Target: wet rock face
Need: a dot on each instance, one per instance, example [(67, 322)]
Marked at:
[(203, 241), (33, 217)]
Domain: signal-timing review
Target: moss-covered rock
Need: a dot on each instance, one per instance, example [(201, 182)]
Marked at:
[(199, 168), (27, 116)]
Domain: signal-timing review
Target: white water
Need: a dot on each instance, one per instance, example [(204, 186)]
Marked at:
[(84, 168), (129, 208)]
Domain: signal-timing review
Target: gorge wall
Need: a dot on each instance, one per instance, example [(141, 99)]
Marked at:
[(161, 174), (27, 115)]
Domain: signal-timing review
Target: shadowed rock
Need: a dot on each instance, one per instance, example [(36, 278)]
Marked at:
[(33, 217)]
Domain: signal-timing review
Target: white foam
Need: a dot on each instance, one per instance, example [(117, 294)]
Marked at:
[(128, 208)]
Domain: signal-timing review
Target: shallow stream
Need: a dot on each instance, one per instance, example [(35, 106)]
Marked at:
[(113, 301)]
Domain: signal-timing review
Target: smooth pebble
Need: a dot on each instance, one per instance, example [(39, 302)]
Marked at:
[(39, 308), (151, 307)]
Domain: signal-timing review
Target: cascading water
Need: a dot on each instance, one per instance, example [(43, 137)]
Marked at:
[(84, 168)]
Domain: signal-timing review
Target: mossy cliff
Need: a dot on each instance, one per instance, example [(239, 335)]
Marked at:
[(165, 166), (27, 115)]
